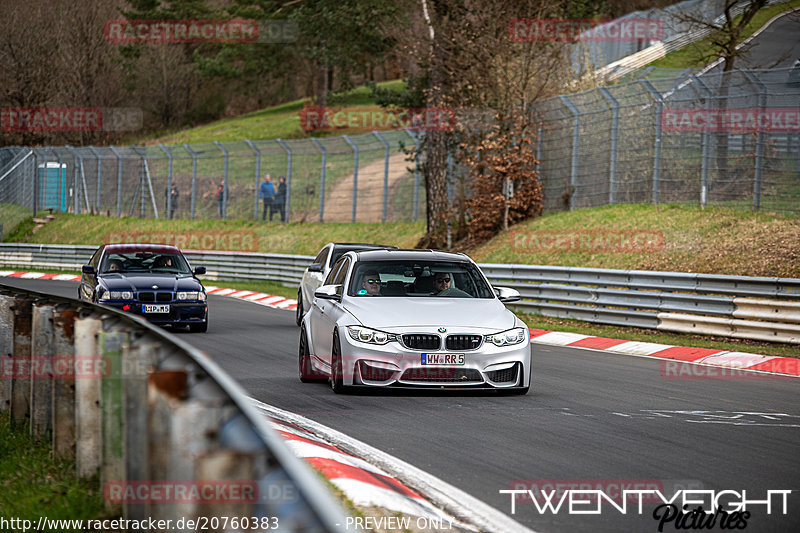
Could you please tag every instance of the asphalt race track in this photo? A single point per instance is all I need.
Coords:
(595, 417)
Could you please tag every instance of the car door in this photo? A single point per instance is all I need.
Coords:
(89, 281)
(320, 323)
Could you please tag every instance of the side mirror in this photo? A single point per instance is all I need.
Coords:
(315, 267)
(87, 269)
(505, 295)
(199, 271)
(328, 292)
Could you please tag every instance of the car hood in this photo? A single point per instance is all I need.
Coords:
(146, 280)
(478, 313)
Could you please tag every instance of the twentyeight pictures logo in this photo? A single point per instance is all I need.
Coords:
(200, 31)
(585, 30)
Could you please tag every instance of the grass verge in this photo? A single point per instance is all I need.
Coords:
(34, 485)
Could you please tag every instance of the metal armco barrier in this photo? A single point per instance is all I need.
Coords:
(756, 308)
(157, 418)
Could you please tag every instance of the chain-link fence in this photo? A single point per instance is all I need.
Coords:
(365, 178)
(730, 139)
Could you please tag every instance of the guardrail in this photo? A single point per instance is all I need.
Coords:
(758, 308)
(172, 435)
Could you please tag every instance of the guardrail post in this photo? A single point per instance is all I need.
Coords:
(41, 386)
(355, 174)
(119, 180)
(287, 205)
(168, 192)
(110, 344)
(99, 158)
(576, 135)
(612, 163)
(6, 348)
(657, 145)
(88, 415)
(63, 410)
(194, 175)
(137, 358)
(759, 163)
(225, 179)
(21, 352)
(324, 154)
(255, 149)
(706, 143)
(385, 174)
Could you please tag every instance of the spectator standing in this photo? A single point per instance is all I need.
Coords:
(279, 202)
(172, 200)
(221, 197)
(267, 194)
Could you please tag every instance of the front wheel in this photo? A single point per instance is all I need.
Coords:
(307, 372)
(199, 328)
(337, 382)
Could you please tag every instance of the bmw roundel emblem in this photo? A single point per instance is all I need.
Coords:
(442, 330)
(155, 286)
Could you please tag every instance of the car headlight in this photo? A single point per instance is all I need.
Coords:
(507, 338)
(115, 295)
(191, 295)
(370, 336)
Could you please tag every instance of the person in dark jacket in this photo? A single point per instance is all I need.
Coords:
(279, 201)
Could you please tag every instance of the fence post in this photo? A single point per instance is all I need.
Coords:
(258, 176)
(64, 387)
(286, 204)
(110, 343)
(706, 143)
(194, 175)
(76, 205)
(41, 387)
(657, 146)
(576, 125)
(6, 348)
(385, 173)
(759, 163)
(99, 177)
(225, 179)
(88, 415)
(168, 191)
(35, 183)
(415, 138)
(324, 153)
(355, 173)
(21, 351)
(119, 180)
(612, 163)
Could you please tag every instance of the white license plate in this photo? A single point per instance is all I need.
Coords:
(155, 308)
(449, 359)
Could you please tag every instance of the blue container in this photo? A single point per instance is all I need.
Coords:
(53, 186)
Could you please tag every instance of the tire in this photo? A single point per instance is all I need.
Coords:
(306, 371)
(298, 314)
(199, 328)
(337, 382)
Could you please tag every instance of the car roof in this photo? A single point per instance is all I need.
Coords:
(351, 246)
(127, 248)
(409, 255)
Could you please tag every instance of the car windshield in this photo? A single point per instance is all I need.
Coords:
(418, 279)
(168, 263)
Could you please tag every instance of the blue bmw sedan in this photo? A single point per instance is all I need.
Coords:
(151, 280)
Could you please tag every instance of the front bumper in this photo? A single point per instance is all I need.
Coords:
(394, 365)
(180, 314)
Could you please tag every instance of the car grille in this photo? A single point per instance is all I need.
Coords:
(442, 374)
(422, 342)
(374, 374)
(507, 375)
(148, 296)
(463, 342)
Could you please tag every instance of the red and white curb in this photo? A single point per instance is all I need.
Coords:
(267, 300)
(785, 366)
(371, 478)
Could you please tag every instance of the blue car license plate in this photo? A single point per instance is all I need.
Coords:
(438, 359)
(148, 308)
